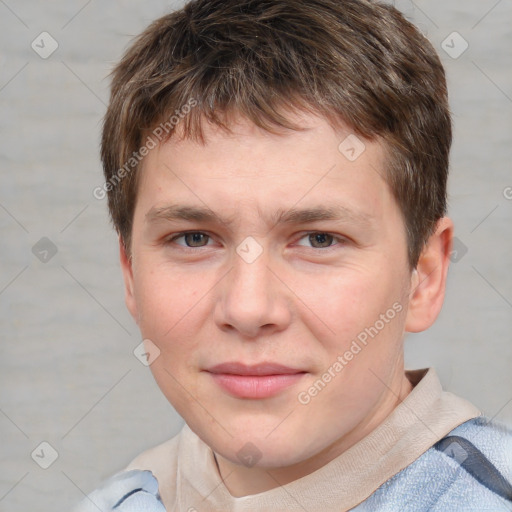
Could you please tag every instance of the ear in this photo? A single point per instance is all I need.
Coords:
(126, 267)
(428, 281)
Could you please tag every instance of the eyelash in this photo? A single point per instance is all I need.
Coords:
(339, 239)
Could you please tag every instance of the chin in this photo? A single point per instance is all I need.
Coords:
(254, 447)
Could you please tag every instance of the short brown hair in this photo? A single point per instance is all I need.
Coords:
(354, 61)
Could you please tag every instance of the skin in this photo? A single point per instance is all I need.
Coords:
(301, 303)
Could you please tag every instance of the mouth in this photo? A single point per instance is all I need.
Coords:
(259, 381)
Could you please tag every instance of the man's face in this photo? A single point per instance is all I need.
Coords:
(263, 281)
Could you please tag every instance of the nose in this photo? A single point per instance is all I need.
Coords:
(253, 300)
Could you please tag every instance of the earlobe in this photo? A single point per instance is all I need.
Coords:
(428, 281)
(126, 267)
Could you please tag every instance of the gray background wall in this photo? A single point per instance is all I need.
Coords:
(68, 374)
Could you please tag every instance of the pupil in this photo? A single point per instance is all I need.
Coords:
(322, 238)
(195, 238)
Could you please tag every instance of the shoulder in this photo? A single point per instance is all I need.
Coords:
(140, 485)
(128, 491)
(469, 469)
(480, 439)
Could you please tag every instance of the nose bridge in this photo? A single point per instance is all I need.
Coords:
(251, 279)
(251, 298)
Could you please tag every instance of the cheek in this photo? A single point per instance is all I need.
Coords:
(171, 315)
(365, 313)
(349, 302)
(168, 303)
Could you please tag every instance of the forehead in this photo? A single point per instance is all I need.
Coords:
(285, 176)
(315, 138)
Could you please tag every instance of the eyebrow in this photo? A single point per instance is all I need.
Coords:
(292, 216)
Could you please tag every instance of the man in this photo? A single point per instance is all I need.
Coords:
(276, 171)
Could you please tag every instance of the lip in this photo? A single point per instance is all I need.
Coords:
(254, 381)
(265, 368)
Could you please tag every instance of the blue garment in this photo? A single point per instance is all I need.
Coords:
(469, 470)
(129, 491)
(465, 471)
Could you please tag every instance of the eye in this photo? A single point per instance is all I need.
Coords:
(320, 240)
(192, 239)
